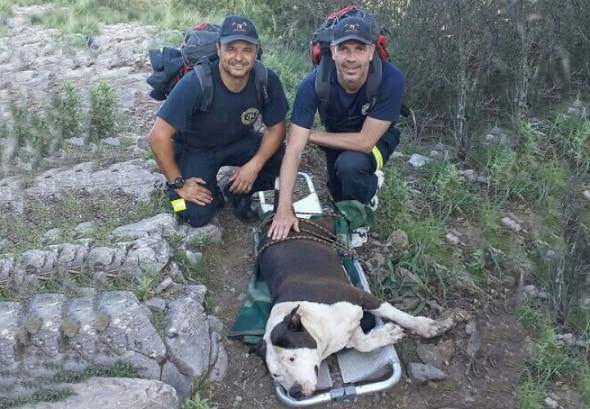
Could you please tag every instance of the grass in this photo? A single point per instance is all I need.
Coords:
(531, 174)
(527, 172)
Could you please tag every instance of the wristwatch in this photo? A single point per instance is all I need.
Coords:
(176, 184)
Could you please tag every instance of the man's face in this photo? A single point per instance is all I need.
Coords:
(236, 58)
(352, 60)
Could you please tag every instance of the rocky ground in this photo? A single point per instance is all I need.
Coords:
(481, 358)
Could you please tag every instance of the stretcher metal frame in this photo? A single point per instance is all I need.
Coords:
(361, 372)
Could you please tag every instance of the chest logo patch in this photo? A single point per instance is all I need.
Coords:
(249, 116)
(365, 109)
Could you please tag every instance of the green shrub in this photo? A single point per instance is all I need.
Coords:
(103, 113)
(394, 203)
(67, 110)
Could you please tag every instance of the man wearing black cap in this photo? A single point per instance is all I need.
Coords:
(359, 137)
(191, 145)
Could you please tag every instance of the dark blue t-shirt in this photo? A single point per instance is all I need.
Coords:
(347, 112)
(231, 115)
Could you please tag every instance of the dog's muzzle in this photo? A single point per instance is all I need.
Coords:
(296, 391)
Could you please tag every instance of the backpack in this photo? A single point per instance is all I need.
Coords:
(321, 57)
(197, 51)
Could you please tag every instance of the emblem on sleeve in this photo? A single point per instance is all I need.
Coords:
(249, 116)
(365, 109)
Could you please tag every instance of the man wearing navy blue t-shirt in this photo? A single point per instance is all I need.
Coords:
(359, 136)
(190, 145)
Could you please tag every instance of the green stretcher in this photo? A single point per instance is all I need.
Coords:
(348, 373)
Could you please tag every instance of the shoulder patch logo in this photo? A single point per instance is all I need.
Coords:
(365, 109)
(249, 116)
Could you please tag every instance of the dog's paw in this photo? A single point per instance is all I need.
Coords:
(392, 332)
(428, 328)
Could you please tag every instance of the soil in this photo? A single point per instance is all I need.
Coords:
(487, 379)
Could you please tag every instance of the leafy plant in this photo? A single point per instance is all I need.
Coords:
(20, 126)
(394, 203)
(196, 402)
(67, 115)
(103, 113)
(446, 190)
(144, 287)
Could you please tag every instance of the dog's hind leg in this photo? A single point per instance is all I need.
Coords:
(422, 326)
(389, 333)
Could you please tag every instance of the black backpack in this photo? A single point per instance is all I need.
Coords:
(197, 51)
(321, 57)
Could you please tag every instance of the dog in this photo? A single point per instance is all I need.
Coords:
(317, 312)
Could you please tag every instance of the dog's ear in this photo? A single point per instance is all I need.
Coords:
(290, 333)
(294, 320)
(260, 350)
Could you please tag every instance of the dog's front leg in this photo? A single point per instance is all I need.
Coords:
(422, 326)
(386, 334)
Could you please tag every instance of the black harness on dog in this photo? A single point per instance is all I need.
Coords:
(309, 230)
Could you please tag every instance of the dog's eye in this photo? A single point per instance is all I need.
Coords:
(292, 359)
(317, 370)
(275, 375)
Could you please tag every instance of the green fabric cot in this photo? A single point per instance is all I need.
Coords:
(250, 322)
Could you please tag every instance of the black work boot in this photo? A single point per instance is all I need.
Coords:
(242, 204)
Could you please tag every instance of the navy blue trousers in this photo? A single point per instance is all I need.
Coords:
(351, 175)
(205, 164)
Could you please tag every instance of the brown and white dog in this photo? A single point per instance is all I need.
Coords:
(317, 312)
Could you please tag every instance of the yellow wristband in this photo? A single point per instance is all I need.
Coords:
(178, 205)
(378, 157)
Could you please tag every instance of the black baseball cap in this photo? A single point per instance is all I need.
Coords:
(236, 28)
(352, 28)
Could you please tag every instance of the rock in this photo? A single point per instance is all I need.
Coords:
(115, 393)
(84, 229)
(452, 239)
(550, 403)
(187, 337)
(474, 342)
(468, 174)
(511, 224)
(429, 354)
(418, 161)
(398, 243)
(446, 350)
(164, 225)
(422, 373)
(163, 285)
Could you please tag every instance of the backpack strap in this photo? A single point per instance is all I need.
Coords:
(261, 81)
(374, 79)
(203, 71)
(322, 84)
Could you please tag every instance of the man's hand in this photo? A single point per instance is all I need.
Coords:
(281, 225)
(194, 191)
(243, 179)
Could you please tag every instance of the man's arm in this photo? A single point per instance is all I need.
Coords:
(363, 141)
(243, 179)
(160, 141)
(284, 218)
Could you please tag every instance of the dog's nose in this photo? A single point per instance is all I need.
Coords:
(295, 391)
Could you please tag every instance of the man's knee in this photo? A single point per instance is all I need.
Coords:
(195, 215)
(350, 163)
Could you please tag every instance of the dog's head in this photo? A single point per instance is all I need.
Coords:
(291, 355)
